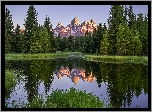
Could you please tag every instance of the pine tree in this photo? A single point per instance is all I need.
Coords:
(115, 19)
(124, 43)
(137, 45)
(104, 28)
(17, 40)
(8, 31)
(126, 14)
(46, 43)
(73, 43)
(87, 40)
(49, 26)
(31, 23)
(87, 43)
(77, 43)
(90, 44)
(57, 42)
(94, 36)
(132, 20)
(39, 44)
(35, 39)
(84, 44)
(70, 43)
(141, 30)
(104, 45)
(63, 44)
(81, 42)
(98, 38)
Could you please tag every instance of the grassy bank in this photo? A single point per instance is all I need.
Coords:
(115, 59)
(40, 56)
(66, 99)
(10, 80)
(88, 57)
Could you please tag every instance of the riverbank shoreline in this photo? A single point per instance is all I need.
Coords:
(87, 57)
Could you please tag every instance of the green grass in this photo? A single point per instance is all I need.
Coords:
(40, 56)
(10, 80)
(66, 99)
(117, 59)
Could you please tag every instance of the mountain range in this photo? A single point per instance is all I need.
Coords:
(74, 29)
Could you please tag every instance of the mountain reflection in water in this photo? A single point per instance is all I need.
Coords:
(75, 75)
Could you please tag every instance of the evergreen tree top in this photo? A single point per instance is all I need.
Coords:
(31, 20)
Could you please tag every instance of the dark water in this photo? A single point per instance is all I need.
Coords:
(122, 85)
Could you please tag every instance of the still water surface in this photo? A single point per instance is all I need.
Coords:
(122, 85)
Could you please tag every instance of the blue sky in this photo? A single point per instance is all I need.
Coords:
(65, 13)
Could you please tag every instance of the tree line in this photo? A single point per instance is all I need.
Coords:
(126, 34)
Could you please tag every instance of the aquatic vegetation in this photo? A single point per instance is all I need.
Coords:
(74, 99)
(10, 80)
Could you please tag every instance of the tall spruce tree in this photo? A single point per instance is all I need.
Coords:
(84, 40)
(17, 40)
(132, 20)
(84, 44)
(104, 28)
(70, 43)
(57, 42)
(124, 40)
(49, 26)
(133, 26)
(90, 44)
(31, 23)
(94, 34)
(137, 45)
(77, 43)
(98, 38)
(40, 41)
(115, 19)
(46, 43)
(140, 28)
(104, 44)
(9, 28)
(35, 39)
(87, 40)
(126, 14)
